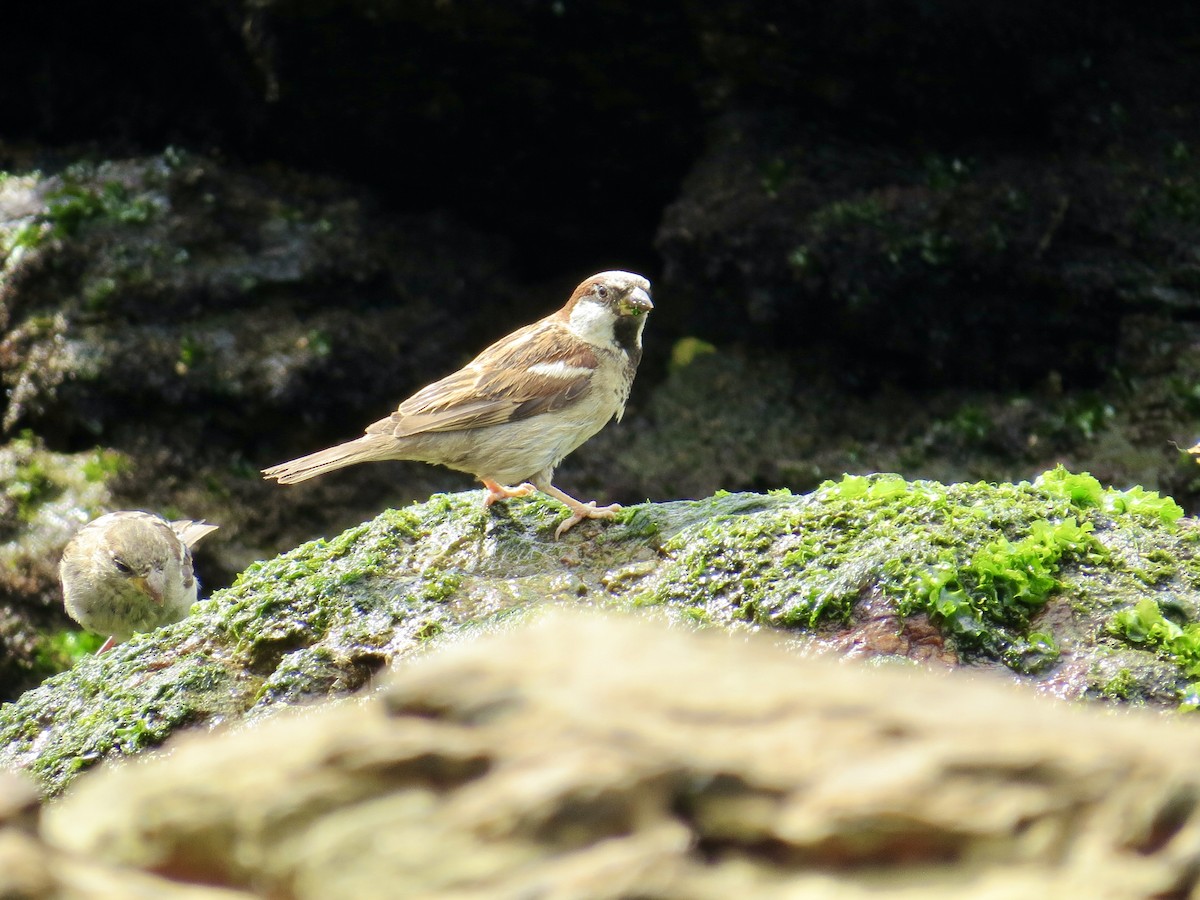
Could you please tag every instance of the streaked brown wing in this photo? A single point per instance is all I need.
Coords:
(499, 386)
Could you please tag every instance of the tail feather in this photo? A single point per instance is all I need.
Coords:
(191, 531)
(368, 448)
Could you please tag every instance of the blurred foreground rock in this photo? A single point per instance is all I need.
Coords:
(30, 869)
(593, 757)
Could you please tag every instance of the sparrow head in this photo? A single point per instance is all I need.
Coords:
(139, 553)
(610, 308)
(625, 293)
(122, 553)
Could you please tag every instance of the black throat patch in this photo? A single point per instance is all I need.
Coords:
(626, 332)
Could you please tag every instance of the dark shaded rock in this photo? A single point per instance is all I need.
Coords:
(923, 267)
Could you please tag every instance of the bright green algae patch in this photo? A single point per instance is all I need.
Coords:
(978, 557)
(985, 563)
(981, 560)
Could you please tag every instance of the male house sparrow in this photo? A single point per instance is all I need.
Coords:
(130, 571)
(512, 414)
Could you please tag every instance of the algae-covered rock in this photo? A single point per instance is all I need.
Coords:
(1060, 581)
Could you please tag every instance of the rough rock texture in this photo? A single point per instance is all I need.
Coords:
(600, 758)
(1077, 590)
(31, 869)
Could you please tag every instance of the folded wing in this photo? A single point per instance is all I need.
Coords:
(525, 375)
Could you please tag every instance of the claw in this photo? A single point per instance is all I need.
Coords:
(583, 511)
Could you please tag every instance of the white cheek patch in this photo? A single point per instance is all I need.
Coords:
(592, 321)
(558, 369)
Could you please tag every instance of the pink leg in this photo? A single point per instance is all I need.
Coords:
(579, 509)
(107, 645)
(496, 491)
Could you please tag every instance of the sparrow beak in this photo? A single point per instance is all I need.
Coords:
(636, 304)
(151, 585)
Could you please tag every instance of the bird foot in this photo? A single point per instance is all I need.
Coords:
(107, 645)
(496, 491)
(583, 511)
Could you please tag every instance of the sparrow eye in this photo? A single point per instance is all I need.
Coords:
(121, 566)
(602, 292)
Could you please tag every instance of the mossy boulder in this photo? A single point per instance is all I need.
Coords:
(1052, 582)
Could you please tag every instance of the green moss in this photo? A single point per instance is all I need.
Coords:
(971, 424)
(1085, 492)
(986, 600)
(1121, 686)
(979, 559)
(802, 259)
(81, 196)
(875, 221)
(319, 342)
(103, 464)
(1146, 624)
(429, 630)
(1038, 652)
(191, 352)
(61, 649)
(1190, 698)
(441, 586)
(80, 200)
(1158, 566)
(97, 291)
(26, 237)
(866, 210)
(931, 246)
(31, 486)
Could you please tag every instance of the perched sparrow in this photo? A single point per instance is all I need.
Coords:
(517, 409)
(130, 571)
